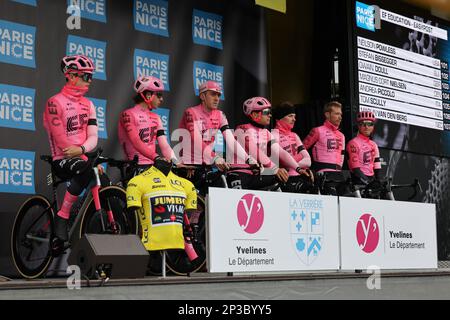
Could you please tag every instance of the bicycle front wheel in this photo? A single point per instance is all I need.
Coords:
(31, 237)
(177, 260)
(111, 198)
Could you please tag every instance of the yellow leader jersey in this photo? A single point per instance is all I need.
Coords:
(163, 200)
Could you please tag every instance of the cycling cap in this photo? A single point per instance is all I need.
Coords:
(210, 86)
(282, 110)
(255, 104)
(365, 116)
(77, 63)
(148, 83)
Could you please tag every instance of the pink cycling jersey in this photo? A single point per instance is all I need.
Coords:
(258, 142)
(363, 154)
(70, 120)
(139, 129)
(291, 142)
(203, 125)
(328, 147)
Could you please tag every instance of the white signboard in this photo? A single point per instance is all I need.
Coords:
(271, 231)
(387, 234)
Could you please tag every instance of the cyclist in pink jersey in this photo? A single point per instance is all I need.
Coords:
(285, 115)
(140, 128)
(71, 124)
(363, 153)
(203, 122)
(259, 143)
(327, 141)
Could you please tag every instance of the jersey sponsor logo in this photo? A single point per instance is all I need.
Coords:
(367, 157)
(17, 44)
(365, 16)
(27, 2)
(148, 63)
(75, 123)
(94, 49)
(333, 144)
(144, 134)
(126, 117)
(17, 107)
(307, 228)
(100, 110)
(207, 29)
(176, 184)
(203, 72)
(168, 208)
(52, 108)
(151, 16)
(91, 9)
(353, 149)
(156, 180)
(16, 171)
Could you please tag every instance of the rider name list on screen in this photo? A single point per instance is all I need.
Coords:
(402, 82)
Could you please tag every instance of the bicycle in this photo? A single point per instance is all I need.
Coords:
(102, 210)
(384, 189)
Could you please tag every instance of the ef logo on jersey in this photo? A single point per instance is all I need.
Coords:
(333, 144)
(367, 156)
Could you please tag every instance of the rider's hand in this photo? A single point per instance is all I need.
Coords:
(305, 172)
(180, 165)
(190, 173)
(72, 151)
(255, 167)
(221, 164)
(101, 170)
(282, 175)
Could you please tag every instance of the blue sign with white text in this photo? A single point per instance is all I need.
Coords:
(164, 114)
(16, 171)
(100, 110)
(207, 29)
(203, 72)
(17, 107)
(148, 63)
(365, 16)
(151, 16)
(17, 44)
(94, 49)
(91, 9)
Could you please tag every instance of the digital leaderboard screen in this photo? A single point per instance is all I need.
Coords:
(401, 73)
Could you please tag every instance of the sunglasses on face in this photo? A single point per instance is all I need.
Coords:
(266, 112)
(159, 94)
(366, 124)
(85, 76)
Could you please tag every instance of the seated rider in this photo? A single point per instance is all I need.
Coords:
(71, 123)
(363, 154)
(201, 124)
(140, 128)
(285, 116)
(328, 150)
(260, 144)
